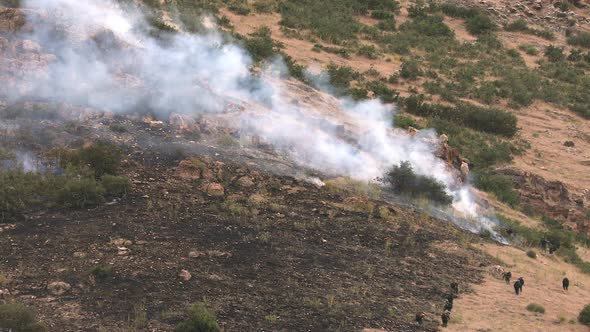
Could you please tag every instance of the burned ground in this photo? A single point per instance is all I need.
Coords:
(274, 253)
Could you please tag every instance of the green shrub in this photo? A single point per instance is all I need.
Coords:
(115, 186)
(331, 20)
(500, 185)
(118, 128)
(199, 320)
(584, 316)
(387, 25)
(382, 15)
(529, 49)
(429, 25)
(453, 10)
(261, 46)
(368, 51)
(410, 70)
(101, 272)
(341, 76)
(80, 193)
(488, 120)
(239, 8)
(554, 53)
(532, 254)
(381, 90)
(518, 25)
(101, 157)
(534, 307)
(264, 6)
(19, 190)
(402, 121)
(580, 39)
(480, 24)
(402, 180)
(18, 318)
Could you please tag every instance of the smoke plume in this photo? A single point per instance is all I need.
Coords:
(107, 58)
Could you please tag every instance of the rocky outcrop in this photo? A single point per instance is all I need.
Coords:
(551, 198)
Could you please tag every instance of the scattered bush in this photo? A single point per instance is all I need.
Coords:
(402, 180)
(368, 51)
(115, 186)
(480, 24)
(199, 320)
(534, 307)
(428, 25)
(488, 120)
(521, 25)
(118, 128)
(101, 272)
(410, 70)
(529, 49)
(453, 10)
(382, 15)
(264, 6)
(261, 46)
(402, 121)
(81, 193)
(584, 316)
(17, 317)
(239, 8)
(580, 39)
(554, 53)
(518, 25)
(500, 185)
(531, 254)
(331, 20)
(569, 144)
(341, 76)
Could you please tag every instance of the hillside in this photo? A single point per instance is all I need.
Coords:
(278, 165)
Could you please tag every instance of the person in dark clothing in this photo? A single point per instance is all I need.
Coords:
(448, 305)
(544, 245)
(446, 316)
(517, 287)
(507, 276)
(566, 283)
(521, 279)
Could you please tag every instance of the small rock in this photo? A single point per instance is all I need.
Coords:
(58, 287)
(213, 189)
(245, 182)
(121, 242)
(195, 254)
(185, 275)
(122, 251)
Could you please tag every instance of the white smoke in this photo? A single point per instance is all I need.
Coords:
(192, 74)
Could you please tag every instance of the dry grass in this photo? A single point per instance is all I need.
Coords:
(494, 306)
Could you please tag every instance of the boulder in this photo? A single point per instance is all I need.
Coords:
(189, 169)
(185, 275)
(213, 189)
(246, 182)
(58, 287)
